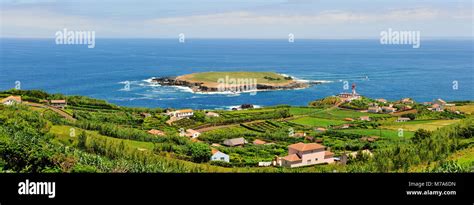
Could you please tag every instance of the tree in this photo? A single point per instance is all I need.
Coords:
(199, 116)
(420, 135)
(82, 140)
(199, 152)
(412, 116)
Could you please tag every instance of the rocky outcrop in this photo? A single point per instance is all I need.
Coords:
(200, 87)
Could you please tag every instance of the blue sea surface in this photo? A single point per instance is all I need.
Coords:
(379, 71)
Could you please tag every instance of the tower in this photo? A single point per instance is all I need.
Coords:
(353, 90)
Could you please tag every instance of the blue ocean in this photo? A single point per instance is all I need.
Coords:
(438, 69)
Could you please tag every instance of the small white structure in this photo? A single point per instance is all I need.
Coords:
(403, 119)
(212, 114)
(364, 118)
(219, 156)
(192, 133)
(11, 100)
(375, 109)
(389, 109)
(181, 113)
(264, 164)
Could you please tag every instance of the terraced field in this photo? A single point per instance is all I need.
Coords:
(320, 122)
(380, 132)
(420, 124)
(341, 114)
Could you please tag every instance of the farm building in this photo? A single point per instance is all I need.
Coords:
(235, 142)
(61, 104)
(11, 100)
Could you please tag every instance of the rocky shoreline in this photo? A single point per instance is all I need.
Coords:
(202, 87)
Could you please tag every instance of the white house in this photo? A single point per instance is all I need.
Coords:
(219, 156)
(375, 109)
(181, 113)
(192, 133)
(301, 154)
(11, 100)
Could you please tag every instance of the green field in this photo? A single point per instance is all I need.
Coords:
(62, 135)
(420, 124)
(311, 121)
(213, 77)
(464, 157)
(303, 110)
(341, 114)
(469, 109)
(381, 133)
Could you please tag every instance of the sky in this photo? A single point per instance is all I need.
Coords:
(267, 19)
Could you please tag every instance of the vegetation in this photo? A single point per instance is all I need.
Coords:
(108, 138)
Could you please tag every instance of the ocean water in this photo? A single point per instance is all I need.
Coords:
(379, 71)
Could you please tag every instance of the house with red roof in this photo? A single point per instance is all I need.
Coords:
(11, 100)
(306, 154)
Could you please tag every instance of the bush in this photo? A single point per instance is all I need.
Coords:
(199, 152)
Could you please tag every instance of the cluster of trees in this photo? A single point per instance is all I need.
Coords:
(251, 116)
(117, 131)
(425, 147)
(325, 102)
(123, 118)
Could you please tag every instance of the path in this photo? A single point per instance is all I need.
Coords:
(60, 112)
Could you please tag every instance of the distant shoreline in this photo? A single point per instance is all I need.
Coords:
(233, 82)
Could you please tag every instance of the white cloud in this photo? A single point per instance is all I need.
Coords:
(325, 17)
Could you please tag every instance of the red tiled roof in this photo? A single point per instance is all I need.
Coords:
(58, 101)
(259, 142)
(328, 154)
(214, 151)
(11, 97)
(306, 147)
(292, 158)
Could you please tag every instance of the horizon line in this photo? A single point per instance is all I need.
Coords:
(240, 38)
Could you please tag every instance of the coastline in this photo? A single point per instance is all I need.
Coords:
(187, 83)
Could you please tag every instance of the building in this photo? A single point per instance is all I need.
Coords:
(235, 142)
(219, 156)
(389, 109)
(364, 118)
(179, 114)
(381, 100)
(348, 97)
(11, 100)
(437, 107)
(407, 100)
(259, 142)
(439, 102)
(299, 134)
(192, 133)
(212, 114)
(156, 132)
(403, 119)
(61, 104)
(375, 109)
(301, 154)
